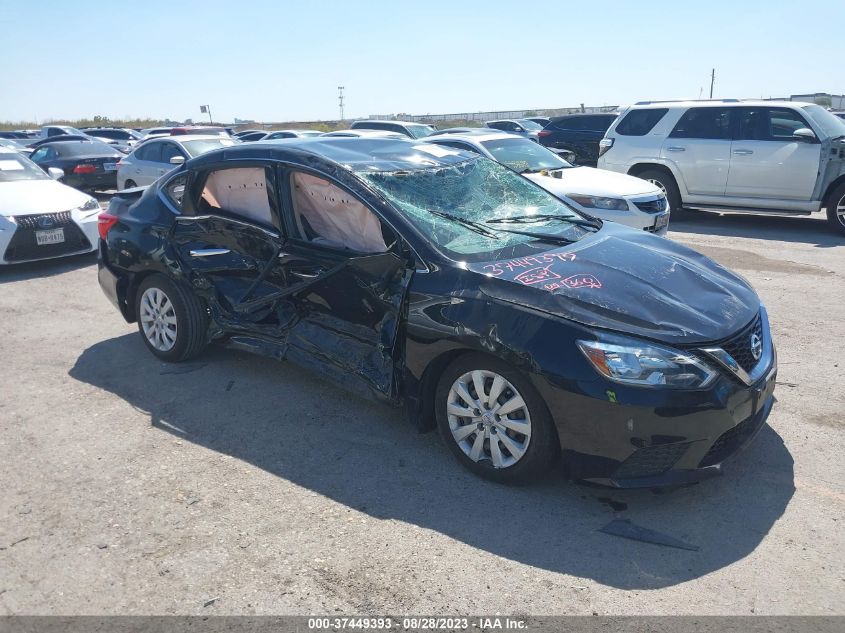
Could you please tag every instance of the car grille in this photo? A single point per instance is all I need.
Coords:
(739, 346)
(23, 246)
(728, 442)
(651, 206)
(651, 460)
(50, 220)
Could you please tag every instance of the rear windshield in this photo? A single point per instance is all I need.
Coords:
(419, 131)
(195, 148)
(523, 155)
(84, 148)
(530, 125)
(640, 122)
(17, 167)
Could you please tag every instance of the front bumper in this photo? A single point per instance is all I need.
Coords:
(636, 439)
(18, 243)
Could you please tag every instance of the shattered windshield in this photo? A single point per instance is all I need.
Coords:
(481, 196)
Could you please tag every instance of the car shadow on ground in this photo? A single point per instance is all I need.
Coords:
(46, 267)
(366, 456)
(813, 229)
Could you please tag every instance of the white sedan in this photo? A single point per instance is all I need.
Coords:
(151, 159)
(607, 195)
(39, 217)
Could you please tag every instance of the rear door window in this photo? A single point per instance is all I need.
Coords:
(572, 123)
(149, 152)
(704, 123)
(244, 192)
(640, 122)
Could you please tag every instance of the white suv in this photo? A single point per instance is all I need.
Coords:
(751, 156)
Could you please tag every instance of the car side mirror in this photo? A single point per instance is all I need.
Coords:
(177, 160)
(804, 135)
(55, 173)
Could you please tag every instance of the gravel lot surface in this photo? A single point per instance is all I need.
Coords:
(234, 484)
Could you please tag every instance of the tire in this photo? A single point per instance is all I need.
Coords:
(183, 323)
(836, 209)
(129, 184)
(666, 182)
(524, 452)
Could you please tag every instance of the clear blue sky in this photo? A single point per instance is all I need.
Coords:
(282, 60)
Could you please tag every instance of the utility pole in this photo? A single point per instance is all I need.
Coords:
(712, 80)
(340, 100)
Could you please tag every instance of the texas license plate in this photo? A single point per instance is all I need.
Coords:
(661, 221)
(110, 166)
(53, 236)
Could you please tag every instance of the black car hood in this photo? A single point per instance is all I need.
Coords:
(631, 282)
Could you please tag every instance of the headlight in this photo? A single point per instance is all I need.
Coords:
(647, 365)
(597, 202)
(90, 207)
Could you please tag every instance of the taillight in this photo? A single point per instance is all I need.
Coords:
(604, 145)
(84, 169)
(543, 133)
(104, 223)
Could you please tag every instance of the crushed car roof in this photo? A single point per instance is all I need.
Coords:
(357, 154)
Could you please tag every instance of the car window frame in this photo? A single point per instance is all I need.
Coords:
(196, 183)
(731, 128)
(285, 172)
(767, 109)
(146, 147)
(178, 148)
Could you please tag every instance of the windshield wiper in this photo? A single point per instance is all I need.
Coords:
(531, 219)
(545, 237)
(472, 226)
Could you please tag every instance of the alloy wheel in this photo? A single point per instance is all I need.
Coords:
(840, 210)
(488, 418)
(158, 319)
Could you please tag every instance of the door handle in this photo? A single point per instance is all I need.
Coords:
(208, 252)
(303, 275)
(743, 152)
(676, 149)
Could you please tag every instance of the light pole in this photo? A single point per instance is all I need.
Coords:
(340, 100)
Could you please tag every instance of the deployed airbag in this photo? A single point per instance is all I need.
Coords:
(335, 216)
(242, 190)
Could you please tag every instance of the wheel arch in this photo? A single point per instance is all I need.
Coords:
(427, 386)
(641, 166)
(831, 188)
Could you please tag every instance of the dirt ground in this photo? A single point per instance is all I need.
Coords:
(238, 485)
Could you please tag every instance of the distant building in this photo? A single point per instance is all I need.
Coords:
(837, 102)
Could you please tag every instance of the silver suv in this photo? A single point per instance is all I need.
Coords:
(747, 156)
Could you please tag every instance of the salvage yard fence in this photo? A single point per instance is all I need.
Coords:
(494, 114)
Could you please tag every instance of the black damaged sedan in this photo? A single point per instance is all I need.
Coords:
(444, 283)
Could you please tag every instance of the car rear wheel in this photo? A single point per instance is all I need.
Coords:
(171, 319)
(129, 184)
(836, 209)
(494, 421)
(664, 181)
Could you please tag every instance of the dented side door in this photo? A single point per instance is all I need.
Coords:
(349, 313)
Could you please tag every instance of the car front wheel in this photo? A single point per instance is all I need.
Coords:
(171, 319)
(836, 209)
(494, 421)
